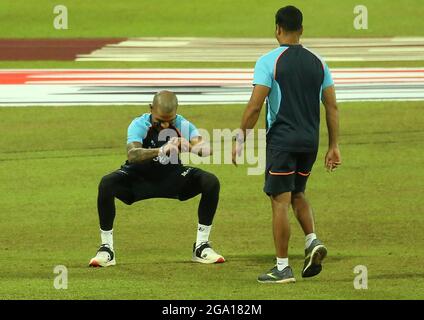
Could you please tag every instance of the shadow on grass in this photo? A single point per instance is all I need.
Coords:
(248, 260)
(252, 259)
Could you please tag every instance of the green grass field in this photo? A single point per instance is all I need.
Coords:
(217, 18)
(369, 212)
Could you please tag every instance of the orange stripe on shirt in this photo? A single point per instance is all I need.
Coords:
(304, 174)
(280, 173)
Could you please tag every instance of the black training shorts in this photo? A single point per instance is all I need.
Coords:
(287, 171)
(176, 185)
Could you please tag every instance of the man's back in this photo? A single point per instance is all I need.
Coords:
(292, 80)
(297, 77)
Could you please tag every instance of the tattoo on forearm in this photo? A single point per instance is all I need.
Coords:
(140, 154)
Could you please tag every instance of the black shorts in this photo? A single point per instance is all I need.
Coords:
(287, 171)
(176, 185)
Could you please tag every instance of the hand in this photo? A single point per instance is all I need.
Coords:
(237, 148)
(333, 159)
(201, 149)
(169, 148)
(181, 143)
(184, 145)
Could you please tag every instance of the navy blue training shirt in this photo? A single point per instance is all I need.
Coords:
(296, 77)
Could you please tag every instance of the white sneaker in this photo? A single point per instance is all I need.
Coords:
(205, 254)
(105, 257)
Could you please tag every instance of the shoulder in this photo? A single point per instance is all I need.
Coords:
(182, 123)
(314, 54)
(180, 119)
(269, 58)
(142, 121)
(187, 129)
(273, 53)
(141, 124)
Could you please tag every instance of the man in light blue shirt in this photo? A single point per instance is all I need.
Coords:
(293, 80)
(154, 170)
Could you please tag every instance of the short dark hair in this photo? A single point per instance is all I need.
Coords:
(289, 18)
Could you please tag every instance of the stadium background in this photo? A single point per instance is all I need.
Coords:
(51, 158)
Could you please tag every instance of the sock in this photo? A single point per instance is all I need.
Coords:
(309, 238)
(282, 263)
(202, 233)
(107, 237)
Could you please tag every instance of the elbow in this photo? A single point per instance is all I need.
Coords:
(255, 108)
(332, 108)
(204, 152)
(208, 152)
(131, 156)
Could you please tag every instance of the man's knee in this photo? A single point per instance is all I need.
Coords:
(210, 183)
(297, 195)
(281, 198)
(107, 183)
(297, 198)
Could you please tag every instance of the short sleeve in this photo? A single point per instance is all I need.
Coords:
(137, 131)
(328, 79)
(262, 75)
(188, 130)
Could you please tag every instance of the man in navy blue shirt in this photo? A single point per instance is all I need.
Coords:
(293, 80)
(154, 170)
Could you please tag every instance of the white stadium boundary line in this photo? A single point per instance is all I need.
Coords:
(249, 49)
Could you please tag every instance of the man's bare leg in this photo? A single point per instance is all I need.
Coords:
(281, 273)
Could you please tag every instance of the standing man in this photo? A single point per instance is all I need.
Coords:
(154, 170)
(293, 80)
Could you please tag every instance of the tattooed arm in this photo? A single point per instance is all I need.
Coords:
(136, 152)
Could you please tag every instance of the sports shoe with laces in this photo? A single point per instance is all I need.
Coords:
(105, 257)
(204, 253)
(314, 254)
(276, 276)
